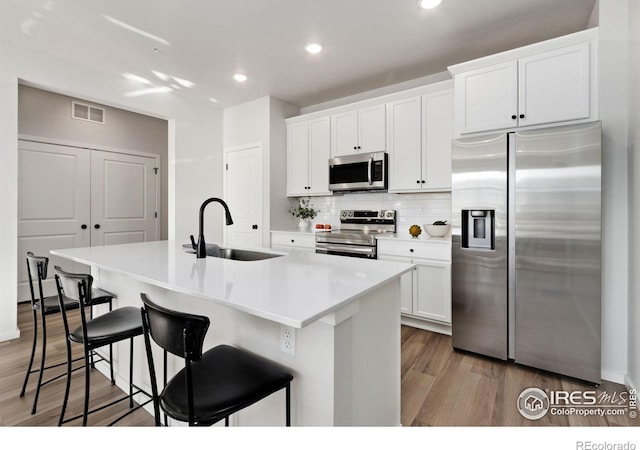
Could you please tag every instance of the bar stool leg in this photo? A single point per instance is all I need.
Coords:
(288, 395)
(42, 359)
(87, 385)
(131, 374)
(33, 352)
(113, 380)
(68, 384)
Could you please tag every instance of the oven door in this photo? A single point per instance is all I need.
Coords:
(357, 251)
(361, 172)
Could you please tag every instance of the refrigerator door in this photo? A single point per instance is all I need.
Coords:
(479, 245)
(557, 239)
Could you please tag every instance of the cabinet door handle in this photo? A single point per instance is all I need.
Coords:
(254, 227)
(97, 226)
(514, 117)
(411, 250)
(417, 181)
(522, 116)
(423, 182)
(83, 226)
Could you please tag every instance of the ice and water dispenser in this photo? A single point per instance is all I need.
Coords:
(478, 229)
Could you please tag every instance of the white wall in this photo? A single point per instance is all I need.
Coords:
(613, 103)
(633, 376)
(262, 121)
(195, 149)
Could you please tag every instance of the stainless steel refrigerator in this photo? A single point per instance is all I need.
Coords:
(526, 220)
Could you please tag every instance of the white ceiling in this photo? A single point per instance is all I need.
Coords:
(367, 43)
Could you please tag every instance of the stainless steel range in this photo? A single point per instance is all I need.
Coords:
(357, 234)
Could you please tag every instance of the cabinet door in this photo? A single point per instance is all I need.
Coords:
(487, 99)
(319, 154)
(344, 133)
(297, 158)
(406, 285)
(405, 144)
(555, 86)
(433, 290)
(372, 129)
(437, 113)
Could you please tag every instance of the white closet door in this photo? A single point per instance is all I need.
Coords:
(53, 206)
(123, 199)
(243, 195)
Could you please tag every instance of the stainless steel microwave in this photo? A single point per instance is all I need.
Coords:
(361, 172)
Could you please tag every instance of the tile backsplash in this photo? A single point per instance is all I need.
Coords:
(422, 208)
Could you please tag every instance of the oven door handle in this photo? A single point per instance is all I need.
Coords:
(362, 250)
(370, 171)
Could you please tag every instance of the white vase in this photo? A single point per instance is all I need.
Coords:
(303, 224)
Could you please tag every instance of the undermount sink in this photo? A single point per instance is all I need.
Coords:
(233, 253)
(243, 255)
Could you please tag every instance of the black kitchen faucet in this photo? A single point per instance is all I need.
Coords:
(201, 246)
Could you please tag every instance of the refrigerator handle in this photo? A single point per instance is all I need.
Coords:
(511, 245)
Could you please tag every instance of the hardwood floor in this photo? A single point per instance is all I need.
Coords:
(444, 387)
(440, 387)
(14, 358)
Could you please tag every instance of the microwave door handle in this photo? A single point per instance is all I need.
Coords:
(370, 171)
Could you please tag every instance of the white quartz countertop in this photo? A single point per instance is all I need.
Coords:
(294, 289)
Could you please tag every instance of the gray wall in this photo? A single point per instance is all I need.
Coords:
(48, 115)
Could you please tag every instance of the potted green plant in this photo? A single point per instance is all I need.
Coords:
(304, 211)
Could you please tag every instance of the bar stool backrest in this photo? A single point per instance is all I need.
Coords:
(36, 270)
(76, 286)
(178, 333)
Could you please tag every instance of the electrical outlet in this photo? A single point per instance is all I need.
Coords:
(288, 340)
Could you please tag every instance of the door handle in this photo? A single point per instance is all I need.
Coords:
(370, 170)
(83, 226)
(97, 226)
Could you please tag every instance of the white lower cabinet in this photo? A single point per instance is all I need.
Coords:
(426, 290)
(290, 241)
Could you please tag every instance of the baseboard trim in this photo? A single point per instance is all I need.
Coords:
(10, 335)
(426, 325)
(613, 376)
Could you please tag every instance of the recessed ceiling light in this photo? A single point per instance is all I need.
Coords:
(429, 4)
(240, 77)
(313, 48)
(213, 100)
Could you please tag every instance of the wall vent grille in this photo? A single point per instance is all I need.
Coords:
(89, 113)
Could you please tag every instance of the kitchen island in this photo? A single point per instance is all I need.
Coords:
(344, 315)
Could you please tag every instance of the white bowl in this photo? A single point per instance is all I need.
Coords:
(436, 230)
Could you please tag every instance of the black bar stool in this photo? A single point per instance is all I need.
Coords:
(213, 385)
(46, 306)
(93, 333)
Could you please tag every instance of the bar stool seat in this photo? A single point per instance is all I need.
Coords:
(226, 380)
(123, 323)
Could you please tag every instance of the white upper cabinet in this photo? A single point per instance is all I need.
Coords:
(550, 82)
(405, 144)
(555, 86)
(420, 130)
(308, 152)
(360, 130)
(487, 98)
